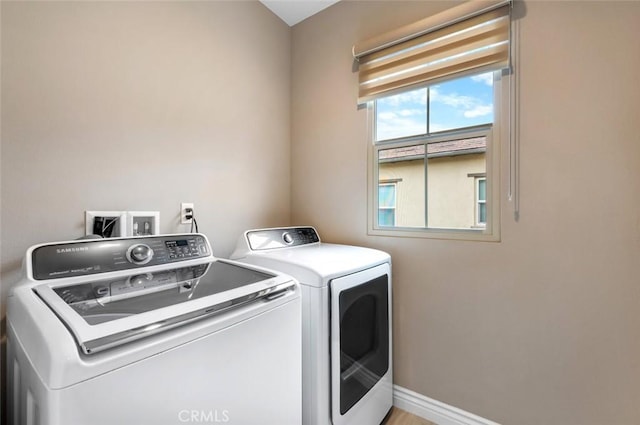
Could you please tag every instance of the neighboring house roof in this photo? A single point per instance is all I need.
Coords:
(434, 150)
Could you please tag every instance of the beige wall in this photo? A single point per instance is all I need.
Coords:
(139, 106)
(543, 327)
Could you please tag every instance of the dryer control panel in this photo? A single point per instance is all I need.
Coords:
(55, 261)
(284, 237)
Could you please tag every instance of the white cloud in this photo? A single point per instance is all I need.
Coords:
(471, 107)
(484, 78)
(400, 122)
(386, 116)
(400, 127)
(479, 111)
(414, 96)
(455, 100)
(434, 127)
(404, 114)
(411, 112)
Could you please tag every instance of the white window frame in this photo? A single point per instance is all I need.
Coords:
(494, 133)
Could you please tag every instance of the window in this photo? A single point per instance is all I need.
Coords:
(481, 201)
(461, 103)
(387, 204)
(439, 142)
(433, 89)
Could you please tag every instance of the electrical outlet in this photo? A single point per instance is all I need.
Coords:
(184, 206)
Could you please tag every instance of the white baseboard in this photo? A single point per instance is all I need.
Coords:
(434, 410)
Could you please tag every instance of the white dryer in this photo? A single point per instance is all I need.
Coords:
(149, 331)
(346, 321)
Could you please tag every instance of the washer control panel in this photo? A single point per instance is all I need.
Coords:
(283, 237)
(55, 261)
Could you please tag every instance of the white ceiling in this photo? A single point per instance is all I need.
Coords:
(294, 11)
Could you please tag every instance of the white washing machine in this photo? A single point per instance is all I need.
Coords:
(151, 331)
(346, 322)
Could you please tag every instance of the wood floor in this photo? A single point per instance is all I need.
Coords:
(400, 417)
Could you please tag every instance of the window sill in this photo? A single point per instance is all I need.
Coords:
(476, 235)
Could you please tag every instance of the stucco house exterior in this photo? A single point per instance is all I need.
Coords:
(455, 185)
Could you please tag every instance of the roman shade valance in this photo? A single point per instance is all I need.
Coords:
(473, 36)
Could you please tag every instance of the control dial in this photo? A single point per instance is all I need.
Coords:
(140, 279)
(288, 239)
(139, 254)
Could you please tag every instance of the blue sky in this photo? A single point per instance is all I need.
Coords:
(453, 104)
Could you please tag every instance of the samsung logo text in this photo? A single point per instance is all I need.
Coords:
(74, 249)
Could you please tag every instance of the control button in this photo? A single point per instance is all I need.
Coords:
(288, 239)
(140, 279)
(139, 254)
(101, 291)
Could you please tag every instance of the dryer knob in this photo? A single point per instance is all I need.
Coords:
(140, 254)
(287, 238)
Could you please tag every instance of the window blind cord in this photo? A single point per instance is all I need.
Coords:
(514, 96)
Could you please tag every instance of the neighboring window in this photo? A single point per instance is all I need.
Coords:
(387, 204)
(481, 201)
(433, 139)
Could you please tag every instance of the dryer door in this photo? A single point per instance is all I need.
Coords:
(361, 346)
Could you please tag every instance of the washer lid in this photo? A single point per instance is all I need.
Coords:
(109, 312)
(317, 264)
